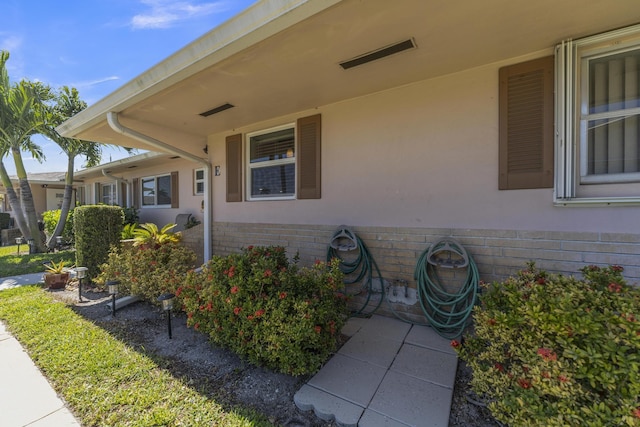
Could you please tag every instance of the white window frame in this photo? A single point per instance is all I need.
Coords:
(278, 162)
(155, 196)
(572, 117)
(197, 181)
(113, 193)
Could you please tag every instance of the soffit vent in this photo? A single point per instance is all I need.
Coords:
(379, 54)
(217, 110)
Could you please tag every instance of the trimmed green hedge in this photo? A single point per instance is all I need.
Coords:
(96, 229)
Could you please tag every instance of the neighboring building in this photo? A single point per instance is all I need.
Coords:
(47, 189)
(408, 120)
(160, 186)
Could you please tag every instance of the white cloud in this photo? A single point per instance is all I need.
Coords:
(10, 43)
(166, 13)
(84, 84)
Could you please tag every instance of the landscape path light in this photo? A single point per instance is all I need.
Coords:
(59, 242)
(167, 305)
(81, 273)
(112, 285)
(31, 244)
(19, 241)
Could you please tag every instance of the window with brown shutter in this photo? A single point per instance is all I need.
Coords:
(309, 138)
(135, 188)
(234, 168)
(175, 191)
(526, 125)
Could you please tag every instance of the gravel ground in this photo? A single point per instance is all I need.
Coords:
(221, 374)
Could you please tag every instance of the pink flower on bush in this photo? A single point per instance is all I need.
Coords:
(499, 367)
(196, 326)
(524, 383)
(267, 273)
(636, 412)
(259, 313)
(250, 317)
(283, 295)
(234, 290)
(547, 354)
(455, 344)
(614, 287)
(563, 379)
(237, 310)
(318, 329)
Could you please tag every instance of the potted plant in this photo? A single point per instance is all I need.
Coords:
(56, 275)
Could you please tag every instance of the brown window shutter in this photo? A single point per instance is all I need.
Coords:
(97, 193)
(135, 188)
(234, 168)
(308, 167)
(123, 194)
(175, 190)
(526, 125)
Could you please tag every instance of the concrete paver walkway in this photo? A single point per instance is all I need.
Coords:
(389, 373)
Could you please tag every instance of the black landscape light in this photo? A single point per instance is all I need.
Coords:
(112, 285)
(19, 241)
(81, 272)
(167, 305)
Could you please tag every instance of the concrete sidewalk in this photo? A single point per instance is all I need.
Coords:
(25, 279)
(389, 373)
(26, 397)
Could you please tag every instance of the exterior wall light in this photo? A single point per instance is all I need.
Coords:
(112, 285)
(167, 305)
(81, 273)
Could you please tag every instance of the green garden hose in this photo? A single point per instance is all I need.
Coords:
(357, 270)
(446, 312)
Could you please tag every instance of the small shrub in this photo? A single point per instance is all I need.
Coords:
(270, 311)
(128, 231)
(147, 272)
(130, 215)
(96, 229)
(552, 350)
(50, 220)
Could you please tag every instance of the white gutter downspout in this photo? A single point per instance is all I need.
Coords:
(112, 119)
(118, 180)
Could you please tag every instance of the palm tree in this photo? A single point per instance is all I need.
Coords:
(20, 118)
(67, 104)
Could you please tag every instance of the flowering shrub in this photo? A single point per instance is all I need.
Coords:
(148, 272)
(554, 350)
(266, 309)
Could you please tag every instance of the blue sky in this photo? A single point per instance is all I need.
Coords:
(97, 46)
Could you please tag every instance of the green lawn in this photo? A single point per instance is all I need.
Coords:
(12, 264)
(105, 382)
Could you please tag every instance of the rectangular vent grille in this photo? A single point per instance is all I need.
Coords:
(378, 54)
(217, 110)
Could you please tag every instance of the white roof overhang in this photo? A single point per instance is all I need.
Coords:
(279, 57)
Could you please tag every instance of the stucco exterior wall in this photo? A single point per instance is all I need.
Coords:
(422, 160)
(423, 155)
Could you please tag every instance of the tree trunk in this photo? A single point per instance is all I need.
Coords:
(16, 207)
(28, 205)
(66, 204)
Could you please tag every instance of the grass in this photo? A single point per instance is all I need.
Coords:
(105, 382)
(12, 264)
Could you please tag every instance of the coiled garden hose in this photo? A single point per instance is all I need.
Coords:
(446, 312)
(356, 270)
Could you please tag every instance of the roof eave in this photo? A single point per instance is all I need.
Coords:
(257, 23)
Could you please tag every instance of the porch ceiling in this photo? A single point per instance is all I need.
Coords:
(296, 67)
